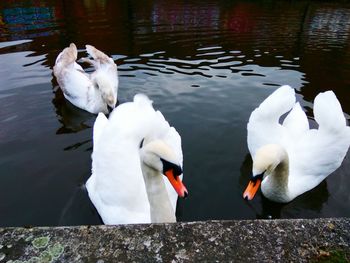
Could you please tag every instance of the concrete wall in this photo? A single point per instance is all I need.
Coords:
(212, 241)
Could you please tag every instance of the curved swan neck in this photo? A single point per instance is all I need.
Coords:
(275, 184)
(281, 172)
(161, 208)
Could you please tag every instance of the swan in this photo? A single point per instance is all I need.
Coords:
(289, 158)
(136, 165)
(95, 92)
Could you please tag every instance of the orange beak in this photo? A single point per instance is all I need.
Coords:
(176, 183)
(251, 189)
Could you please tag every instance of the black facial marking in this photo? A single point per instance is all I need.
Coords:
(141, 143)
(109, 108)
(168, 166)
(256, 177)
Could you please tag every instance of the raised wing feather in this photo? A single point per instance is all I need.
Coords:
(296, 123)
(98, 55)
(73, 81)
(67, 56)
(263, 126)
(328, 112)
(319, 152)
(103, 64)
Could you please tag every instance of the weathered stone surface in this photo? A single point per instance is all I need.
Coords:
(212, 241)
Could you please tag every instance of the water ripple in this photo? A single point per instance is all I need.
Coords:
(223, 64)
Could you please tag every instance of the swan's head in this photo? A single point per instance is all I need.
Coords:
(161, 157)
(266, 159)
(108, 92)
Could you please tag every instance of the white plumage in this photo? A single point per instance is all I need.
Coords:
(123, 187)
(93, 92)
(294, 158)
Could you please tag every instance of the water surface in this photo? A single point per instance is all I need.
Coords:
(205, 64)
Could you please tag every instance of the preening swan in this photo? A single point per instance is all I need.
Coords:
(95, 92)
(290, 159)
(136, 165)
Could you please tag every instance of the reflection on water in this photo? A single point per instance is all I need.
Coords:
(205, 64)
(72, 118)
(333, 25)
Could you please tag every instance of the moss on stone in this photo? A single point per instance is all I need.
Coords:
(55, 250)
(33, 260)
(45, 257)
(41, 242)
(337, 256)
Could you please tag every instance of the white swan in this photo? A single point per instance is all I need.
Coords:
(94, 92)
(291, 159)
(131, 152)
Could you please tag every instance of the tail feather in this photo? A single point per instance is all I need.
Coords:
(328, 112)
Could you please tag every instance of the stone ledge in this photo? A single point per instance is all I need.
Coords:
(213, 241)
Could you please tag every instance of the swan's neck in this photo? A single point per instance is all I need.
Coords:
(275, 184)
(161, 208)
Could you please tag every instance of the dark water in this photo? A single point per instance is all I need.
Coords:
(205, 64)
